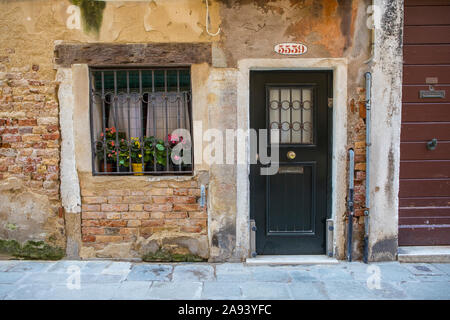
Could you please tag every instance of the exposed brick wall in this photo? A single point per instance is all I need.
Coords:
(124, 215)
(29, 129)
(357, 141)
(29, 149)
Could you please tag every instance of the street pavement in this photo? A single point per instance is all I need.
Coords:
(102, 279)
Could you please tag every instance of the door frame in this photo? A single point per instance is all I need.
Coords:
(338, 147)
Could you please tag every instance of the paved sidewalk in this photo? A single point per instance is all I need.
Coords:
(124, 280)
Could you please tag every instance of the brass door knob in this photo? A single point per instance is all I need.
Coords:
(291, 155)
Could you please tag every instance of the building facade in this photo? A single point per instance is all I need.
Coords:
(101, 100)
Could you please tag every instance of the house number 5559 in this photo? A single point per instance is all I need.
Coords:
(289, 48)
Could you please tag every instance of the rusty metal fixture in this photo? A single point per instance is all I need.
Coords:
(368, 145)
(350, 204)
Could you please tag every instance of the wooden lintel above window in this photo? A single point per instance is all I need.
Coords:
(153, 54)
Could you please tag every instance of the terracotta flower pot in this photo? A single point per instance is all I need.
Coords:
(137, 169)
(109, 167)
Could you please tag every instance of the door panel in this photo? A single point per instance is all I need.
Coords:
(417, 112)
(419, 151)
(415, 132)
(426, 34)
(424, 195)
(422, 15)
(293, 214)
(425, 169)
(290, 207)
(416, 74)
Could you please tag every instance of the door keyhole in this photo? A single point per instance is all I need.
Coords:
(291, 155)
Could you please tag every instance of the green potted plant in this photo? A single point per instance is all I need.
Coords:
(155, 151)
(107, 147)
(106, 153)
(148, 153)
(124, 157)
(136, 157)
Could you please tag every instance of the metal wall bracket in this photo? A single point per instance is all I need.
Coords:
(202, 196)
(252, 238)
(330, 230)
(330, 102)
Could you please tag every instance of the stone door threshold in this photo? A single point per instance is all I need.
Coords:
(290, 260)
(424, 254)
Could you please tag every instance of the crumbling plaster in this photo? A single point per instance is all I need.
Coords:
(26, 215)
(386, 125)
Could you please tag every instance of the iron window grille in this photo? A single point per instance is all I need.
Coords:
(135, 117)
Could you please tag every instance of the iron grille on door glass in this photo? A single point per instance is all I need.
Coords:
(141, 121)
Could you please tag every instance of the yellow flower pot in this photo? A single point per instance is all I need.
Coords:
(137, 169)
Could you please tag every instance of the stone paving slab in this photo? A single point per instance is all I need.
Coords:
(445, 267)
(6, 265)
(232, 272)
(150, 272)
(417, 290)
(5, 289)
(308, 291)
(193, 272)
(29, 292)
(10, 277)
(302, 276)
(65, 266)
(221, 290)
(86, 292)
(133, 290)
(126, 280)
(31, 266)
(270, 274)
(175, 290)
(259, 291)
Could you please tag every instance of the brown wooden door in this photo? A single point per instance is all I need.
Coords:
(424, 213)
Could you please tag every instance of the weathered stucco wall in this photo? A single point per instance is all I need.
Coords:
(386, 117)
(249, 30)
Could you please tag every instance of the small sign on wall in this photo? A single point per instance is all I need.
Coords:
(291, 48)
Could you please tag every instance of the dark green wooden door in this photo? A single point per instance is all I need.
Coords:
(290, 207)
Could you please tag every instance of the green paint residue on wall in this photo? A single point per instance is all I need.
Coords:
(91, 13)
(11, 226)
(32, 250)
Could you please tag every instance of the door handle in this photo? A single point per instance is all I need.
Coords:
(431, 145)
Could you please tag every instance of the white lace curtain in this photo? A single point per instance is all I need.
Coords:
(126, 115)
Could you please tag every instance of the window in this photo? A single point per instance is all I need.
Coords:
(291, 111)
(141, 121)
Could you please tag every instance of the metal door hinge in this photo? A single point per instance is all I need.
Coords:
(330, 102)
